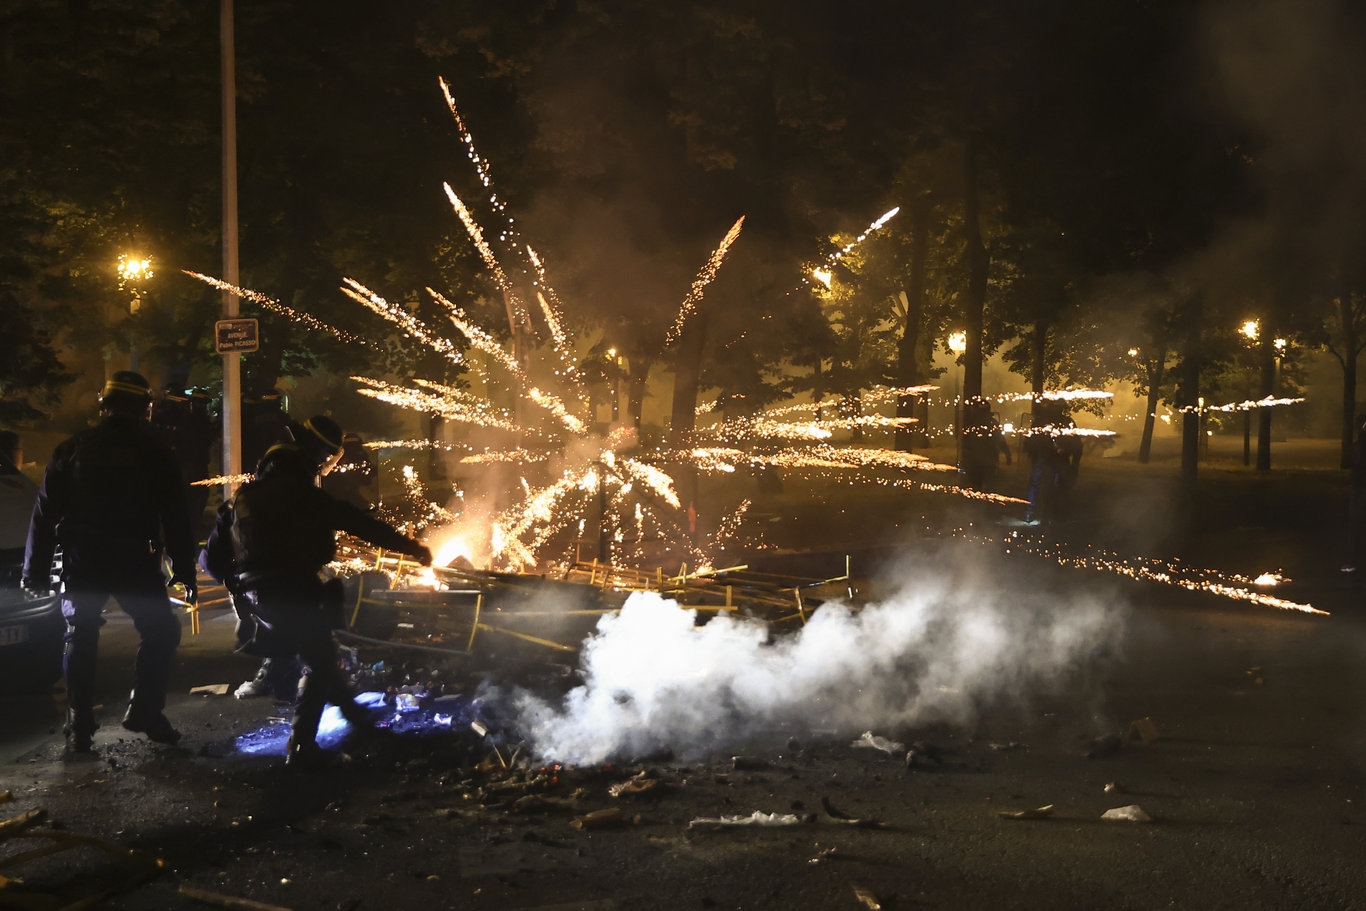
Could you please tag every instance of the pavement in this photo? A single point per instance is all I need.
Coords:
(1237, 728)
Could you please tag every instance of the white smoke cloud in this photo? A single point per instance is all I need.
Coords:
(932, 652)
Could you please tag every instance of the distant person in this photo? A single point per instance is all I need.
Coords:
(112, 498)
(269, 547)
(1356, 498)
(11, 452)
(354, 479)
(182, 422)
(983, 445)
(1048, 457)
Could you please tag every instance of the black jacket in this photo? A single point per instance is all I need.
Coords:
(112, 497)
(281, 523)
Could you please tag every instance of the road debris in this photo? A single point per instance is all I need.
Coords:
(873, 741)
(227, 901)
(750, 763)
(757, 818)
(1113, 787)
(1144, 729)
(211, 689)
(1132, 813)
(1036, 813)
(823, 856)
(868, 899)
(844, 818)
(644, 784)
(1105, 746)
(924, 756)
(600, 819)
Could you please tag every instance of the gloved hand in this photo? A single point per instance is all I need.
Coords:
(190, 585)
(423, 555)
(35, 589)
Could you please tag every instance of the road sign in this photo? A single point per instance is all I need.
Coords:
(236, 335)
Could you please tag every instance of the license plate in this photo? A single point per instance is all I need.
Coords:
(13, 635)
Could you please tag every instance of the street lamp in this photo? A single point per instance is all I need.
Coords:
(134, 271)
(958, 343)
(1250, 330)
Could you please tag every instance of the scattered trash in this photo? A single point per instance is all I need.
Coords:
(1143, 729)
(227, 901)
(1105, 746)
(600, 819)
(1036, 813)
(924, 756)
(1003, 747)
(212, 689)
(1113, 787)
(750, 763)
(872, 741)
(757, 818)
(645, 784)
(824, 855)
(869, 901)
(841, 817)
(5, 796)
(25, 826)
(1132, 813)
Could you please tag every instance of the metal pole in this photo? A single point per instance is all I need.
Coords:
(232, 363)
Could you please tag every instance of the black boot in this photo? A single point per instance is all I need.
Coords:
(155, 725)
(80, 730)
(304, 753)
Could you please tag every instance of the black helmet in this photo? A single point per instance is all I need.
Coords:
(319, 437)
(126, 392)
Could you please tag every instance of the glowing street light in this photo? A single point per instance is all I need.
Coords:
(958, 342)
(823, 276)
(133, 272)
(1251, 328)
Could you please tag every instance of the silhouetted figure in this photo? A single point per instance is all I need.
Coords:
(11, 452)
(983, 445)
(112, 499)
(354, 478)
(182, 422)
(269, 546)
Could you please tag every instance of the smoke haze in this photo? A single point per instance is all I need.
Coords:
(934, 651)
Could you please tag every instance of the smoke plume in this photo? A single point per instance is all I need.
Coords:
(932, 652)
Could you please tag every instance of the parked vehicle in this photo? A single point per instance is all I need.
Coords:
(30, 629)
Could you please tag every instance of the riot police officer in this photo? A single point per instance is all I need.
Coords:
(269, 546)
(113, 500)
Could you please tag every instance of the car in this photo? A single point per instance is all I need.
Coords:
(31, 629)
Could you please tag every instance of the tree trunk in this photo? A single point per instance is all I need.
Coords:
(1349, 374)
(1188, 396)
(1266, 352)
(1038, 345)
(687, 379)
(1156, 373)
(908, 368)
(635, 402)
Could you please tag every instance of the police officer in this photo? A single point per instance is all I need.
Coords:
(270, 544)
(112, 499)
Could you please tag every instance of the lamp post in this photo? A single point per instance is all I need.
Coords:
(958, 343)
(134, 271)
(1250, 329)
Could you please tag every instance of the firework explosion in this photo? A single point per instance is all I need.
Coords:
(584, 474)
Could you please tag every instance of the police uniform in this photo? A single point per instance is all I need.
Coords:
(112, 499)
(270, 544)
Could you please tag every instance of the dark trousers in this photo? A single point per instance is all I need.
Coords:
(142, 596)
(298, 625)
